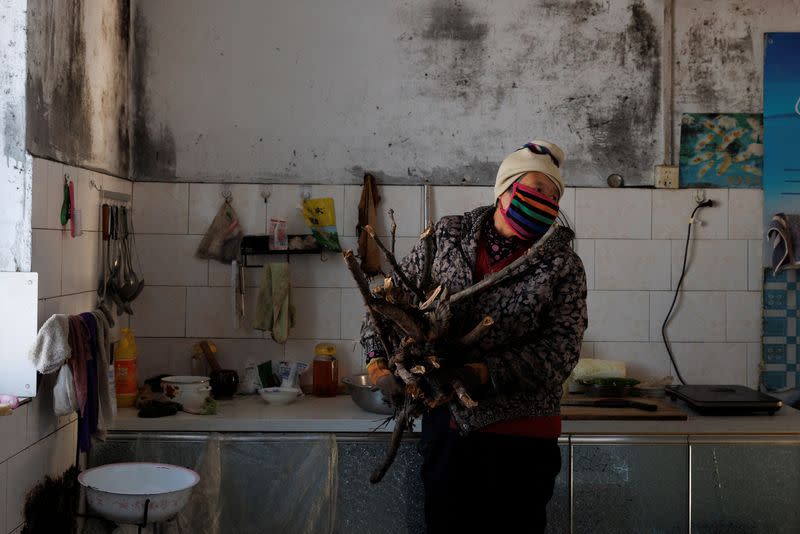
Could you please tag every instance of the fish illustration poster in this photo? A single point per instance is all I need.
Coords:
(781, 124)
(721, 150)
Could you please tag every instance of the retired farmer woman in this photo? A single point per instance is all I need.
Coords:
(493, 468)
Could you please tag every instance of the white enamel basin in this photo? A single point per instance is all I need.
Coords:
(118, 491)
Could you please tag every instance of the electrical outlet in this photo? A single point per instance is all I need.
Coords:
(667, 176)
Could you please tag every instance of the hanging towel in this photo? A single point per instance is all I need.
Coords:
(368, 215)
(784, 234)
(105, 415)
(274, 310)
(224, 236)
(87, 425)
(51, 348)
(79, 345)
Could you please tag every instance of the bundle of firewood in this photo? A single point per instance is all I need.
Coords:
(426, 351)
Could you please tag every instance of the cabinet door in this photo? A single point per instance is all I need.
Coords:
(558, 507)
(748, 487)
(630, 485)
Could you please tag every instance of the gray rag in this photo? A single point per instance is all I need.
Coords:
(784, 234)
(274, 310)
(51, 349)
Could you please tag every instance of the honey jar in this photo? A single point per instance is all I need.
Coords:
(325, 371)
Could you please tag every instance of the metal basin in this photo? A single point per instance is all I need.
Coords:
(368, 397)
(118, 491)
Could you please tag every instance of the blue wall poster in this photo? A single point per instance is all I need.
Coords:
(721, 150)
(781, 126)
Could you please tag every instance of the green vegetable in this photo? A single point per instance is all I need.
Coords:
(621, 382)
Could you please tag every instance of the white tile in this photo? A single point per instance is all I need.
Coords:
(165, 355)
(13, 428)
(458, 199)
(353, 313)
(642, 360)
(697, 316)
(744, 316)
(219, 274)
(117, 185)
(712, 265)
(285, 202)
(87, 197)
(753, 365)
(612, 213)
(618, 316)
(61, 454)
(160, 312)
(671, 210)
(755, 271)
(566, 206)
(71, 304)
(317, 312)
(46, 260)
(712, 363)
(160, 208)
(309, 270)
(210, 313)
(169, 260)
(632, 264)
(25, 470)
(205, 201)
(4, 527)
(585, 248)
(587, 350)
(405, 200)
(81, 255)
(42, 421)
(55, 194)
(746, 218)
(39, 195)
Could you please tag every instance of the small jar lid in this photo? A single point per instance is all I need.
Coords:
(325, 349)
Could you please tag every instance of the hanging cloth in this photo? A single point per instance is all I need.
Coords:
(368, 215)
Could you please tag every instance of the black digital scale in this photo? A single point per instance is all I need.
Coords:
(725, 399)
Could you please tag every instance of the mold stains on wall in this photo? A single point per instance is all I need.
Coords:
(453, 39)
(717, 68)
(77, 82)
(58, 90)
(152, 143)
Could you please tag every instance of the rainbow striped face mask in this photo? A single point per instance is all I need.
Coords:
(530, 214)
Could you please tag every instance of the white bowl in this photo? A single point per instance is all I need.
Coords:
(118, 491)
(190, 392)
(279, 395)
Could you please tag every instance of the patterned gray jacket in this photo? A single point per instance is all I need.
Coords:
(539, 314)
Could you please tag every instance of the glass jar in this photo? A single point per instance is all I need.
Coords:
(325, 371)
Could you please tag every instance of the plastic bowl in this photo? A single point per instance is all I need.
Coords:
(279, 395)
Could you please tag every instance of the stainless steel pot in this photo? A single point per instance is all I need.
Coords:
(368, 397)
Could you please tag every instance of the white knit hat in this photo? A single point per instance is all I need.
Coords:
(536, 156)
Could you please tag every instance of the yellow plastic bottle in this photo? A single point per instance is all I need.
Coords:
(125, 378)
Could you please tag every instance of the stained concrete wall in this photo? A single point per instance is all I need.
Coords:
(442, 90)
(15, 165)
(78, 86)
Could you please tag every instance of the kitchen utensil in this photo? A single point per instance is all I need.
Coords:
(190, 392)
(118, 492)
(368, 397)
(666, 411)
(224, 382)
(279, 396)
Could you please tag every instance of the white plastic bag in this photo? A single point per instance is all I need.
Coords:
(64, 399)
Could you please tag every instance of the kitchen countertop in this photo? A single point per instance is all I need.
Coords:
(341, 415)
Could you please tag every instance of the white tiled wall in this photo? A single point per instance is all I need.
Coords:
(630, 240)
(34, 441)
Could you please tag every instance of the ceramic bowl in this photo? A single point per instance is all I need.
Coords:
(279, 395)
(118, 491)
(190, 391)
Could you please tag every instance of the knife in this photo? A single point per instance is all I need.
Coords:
(613, 403)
